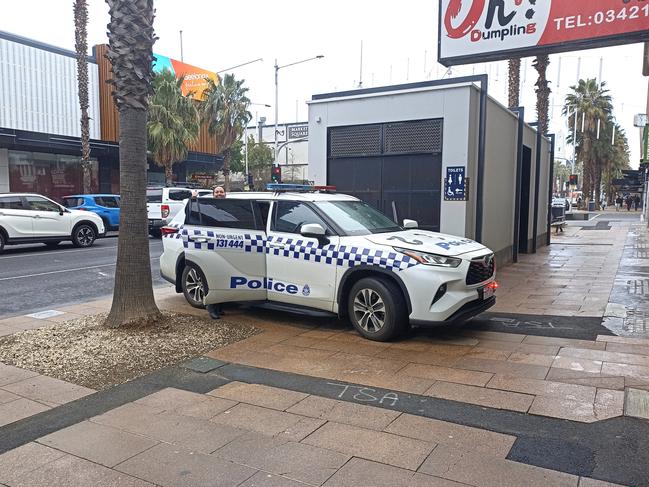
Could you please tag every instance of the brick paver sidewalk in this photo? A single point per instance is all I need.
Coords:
(253, 435)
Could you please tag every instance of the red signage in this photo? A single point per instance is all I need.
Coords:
(489, 30)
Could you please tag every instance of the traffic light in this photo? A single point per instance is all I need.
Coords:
(276, 174)
(574, 179)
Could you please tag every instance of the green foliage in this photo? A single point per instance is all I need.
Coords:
(225, 111)
(173, 122)
(237, 158)
(594, 123)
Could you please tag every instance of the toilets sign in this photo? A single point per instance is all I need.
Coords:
(455, 184)
(473, 31)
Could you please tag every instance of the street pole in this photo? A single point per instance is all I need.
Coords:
(276, 110)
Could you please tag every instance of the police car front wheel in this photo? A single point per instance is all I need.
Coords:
(377, 309)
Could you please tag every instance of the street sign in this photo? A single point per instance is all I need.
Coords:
(455, 184)
(640, 120)
(298, 131)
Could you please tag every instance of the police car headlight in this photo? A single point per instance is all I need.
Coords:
(431, 259)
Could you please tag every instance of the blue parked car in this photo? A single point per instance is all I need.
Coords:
(105, 205)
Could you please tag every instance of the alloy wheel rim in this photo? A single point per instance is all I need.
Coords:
(369, 310)
(84, 235)
(194, 286)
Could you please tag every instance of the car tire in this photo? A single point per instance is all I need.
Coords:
(2, 242)
(194, 285)
(84, 235)
(377, 309)
(155, 233)
(52, 244)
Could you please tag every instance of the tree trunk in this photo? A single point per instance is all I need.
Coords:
(81, 47)
(514, 82)
(133, 294)
(543, 91)
(169, 173)
(227, 155)
(587, 184)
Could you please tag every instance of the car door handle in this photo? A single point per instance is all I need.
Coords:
(276, 245)
(37, 216)
(198, 239)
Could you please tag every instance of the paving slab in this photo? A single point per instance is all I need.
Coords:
(170, 399)
(19, 409)
(478, 469)
(344, 412)
(48, 390)
(361, 473)
(637, 403)
(10, 374)
(372, 445)
(98, 443)
(296, 461)
(483, 397)
(20, 461)
(259, 395)
(268, 421)
(447, 374)
(443, 432)
(265, 479)
(170, 466)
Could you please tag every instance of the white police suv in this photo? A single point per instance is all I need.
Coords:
(325, 251)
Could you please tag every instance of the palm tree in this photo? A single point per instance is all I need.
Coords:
(514, 82)
(81, 47)
(543, 91)
(587, 104)
(225, 110)
(173, 122)
(611, 152)
(131, 38)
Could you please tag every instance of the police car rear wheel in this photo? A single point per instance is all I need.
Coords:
(377, 309)
(194, 285)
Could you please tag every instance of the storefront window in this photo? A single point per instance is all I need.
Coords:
(52, 175)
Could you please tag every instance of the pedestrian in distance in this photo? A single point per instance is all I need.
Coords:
(629, 202)
(618, 203)
(637, 202)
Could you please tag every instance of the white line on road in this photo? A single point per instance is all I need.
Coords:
(61, 271)
(56, 252)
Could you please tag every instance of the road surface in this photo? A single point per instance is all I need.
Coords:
(34, 278)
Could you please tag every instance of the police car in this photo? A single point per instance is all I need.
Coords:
(329, 252)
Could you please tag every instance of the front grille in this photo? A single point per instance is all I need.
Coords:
(481, 269)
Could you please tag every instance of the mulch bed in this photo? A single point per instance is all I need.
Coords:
(86, 353)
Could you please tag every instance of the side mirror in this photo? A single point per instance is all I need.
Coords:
(313, 230)
(410, 224)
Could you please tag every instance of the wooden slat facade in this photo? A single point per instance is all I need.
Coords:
(110, 117)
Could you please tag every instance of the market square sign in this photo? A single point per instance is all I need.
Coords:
(490, 30)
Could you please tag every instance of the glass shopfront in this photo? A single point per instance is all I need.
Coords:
(52, 175)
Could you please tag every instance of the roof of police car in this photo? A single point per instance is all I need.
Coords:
(293, 196)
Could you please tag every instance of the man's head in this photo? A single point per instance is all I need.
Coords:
(218, 192)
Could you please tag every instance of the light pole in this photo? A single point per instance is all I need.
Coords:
(277, 68)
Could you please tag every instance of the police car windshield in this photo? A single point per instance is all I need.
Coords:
(357, 218)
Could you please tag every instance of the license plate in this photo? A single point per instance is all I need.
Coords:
(488, 292)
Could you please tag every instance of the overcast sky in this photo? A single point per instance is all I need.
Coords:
(399, 40)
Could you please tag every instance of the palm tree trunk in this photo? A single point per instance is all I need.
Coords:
(514, 82)
(133, 294)
(81, 47)
(227, 155)
(543, 91)
(169, 172)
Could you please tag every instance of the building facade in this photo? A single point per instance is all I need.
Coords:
(40, 124)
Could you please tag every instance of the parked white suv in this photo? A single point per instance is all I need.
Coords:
(32, 218)
(164, 203)
(328, 252)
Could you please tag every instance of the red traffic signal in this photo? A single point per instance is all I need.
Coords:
(276, 174)
(574, 179)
